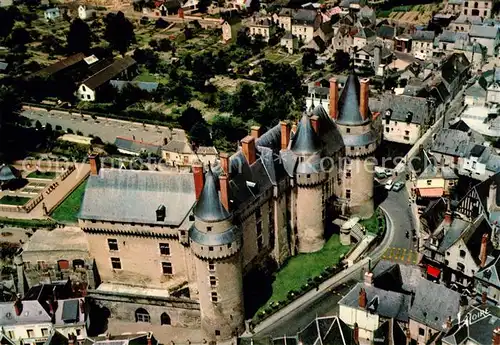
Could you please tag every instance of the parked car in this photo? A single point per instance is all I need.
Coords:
(398, 186)
(380, 175)
(389, 184)
(388, 172)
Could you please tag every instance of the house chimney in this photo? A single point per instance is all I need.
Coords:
(364, 98)
(356, 334)
(492, 198)
(294, 128)
(362, 298)
(482, 253)
(448, 218)
(285, 135)
(248, 148)
(18, 306)
(150, 338)
(496, 336)
(224, 162)
(224, 191)
(368, 278)
(82, 306)
(255, 132)
(334, 96)
(484, 297)
(315, 123)
(95, 164)
(199, 179)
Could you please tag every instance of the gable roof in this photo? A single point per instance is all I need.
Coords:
(395, 277)
(454, 67)
(434, 304)
(135, 195)
(326, 330)
(451, 142)
(386, 31)
(136, 146)
(422, 35)
(491, 272)
(108, 73)
(8, 173)
(60, 65)
(305, 16)
(481, 31)
(32, 312)
(398, 107)
(178, 146)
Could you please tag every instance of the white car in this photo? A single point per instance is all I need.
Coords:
(389, 184)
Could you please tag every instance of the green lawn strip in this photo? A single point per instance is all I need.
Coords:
(302, 267)
(45, 175)
(13, 200)
(375, 223)
(27, 223)
(68, 210)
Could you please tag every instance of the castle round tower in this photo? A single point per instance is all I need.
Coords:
(309, 179)
(216, 244)
(354, 121)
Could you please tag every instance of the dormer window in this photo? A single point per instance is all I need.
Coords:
(160, 213)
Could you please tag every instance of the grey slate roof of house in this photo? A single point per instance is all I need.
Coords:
(386, 31)
(480, 31)
(463, 19)
(395, 277)
(433, 304)
(209, 207)
(478, 332)
(304, 16)
(453, 233)
(387, 304)
(385, 335)
(56, 338)
(136, 146)
(348, 104)
(491, 273)
(178, 146)
(365, 33)
(370, 49)
(454, 67)
(475, 90)
(452, 36)
(32, 313)
(432, 171)
(108, 73)
(61, 65)
(326, 330)
(400, 106)
(3, 65)
(305, 141)
(134, 196)
(421, 35)
(451, 142)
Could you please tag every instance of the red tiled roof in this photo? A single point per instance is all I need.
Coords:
(431, 192)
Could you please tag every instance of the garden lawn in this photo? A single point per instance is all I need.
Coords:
(68, 210)
(49, 175)
(304, 266)
(373, 224)
(13, 200)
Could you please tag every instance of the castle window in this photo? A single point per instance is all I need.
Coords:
(348, 174)
(214, 297)
(348, 130)
(213, 281)
(209, 228)
(30, 333)
(460, 267)
(167, 268)
(165, 319)
(116, 263)
(112, 244)
(211, 266)
(347, 193)
(210, 249)
(164, 248)
(45, 332)
(407, 132)
(183, 232)
(142, 315)
(11, 334)
(462, 253)
(406, 138)
(217, 332)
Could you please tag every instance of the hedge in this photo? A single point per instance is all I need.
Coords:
(27, 223)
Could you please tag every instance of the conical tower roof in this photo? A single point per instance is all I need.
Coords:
(349, 103)
(305, 140)
(209, 207)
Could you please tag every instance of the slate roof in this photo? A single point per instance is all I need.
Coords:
(134, 196)
(422, 35)
(61, 65)
(304, 17)
(451, 142)
(305, 141)
(56, 338)
(383, 336)
(108, 73)
(433, 304)
(400, 106)
(452, 233)
(387, 304)
(178, 146)
(475, 90)
(348, 104)
(328, 132)
(452, 36)
(370, 49)
(209, 207)
(326, 330)
(386, 31)
(491, 272)
(391, 276)
(8, 173)
(454, 67)
(432, 171)
(286, 12)
(478, 332)
(480, 31)
(32, 313)
(136, 146)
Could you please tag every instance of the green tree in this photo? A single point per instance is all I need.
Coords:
(309, 59)
(190, 117)
(245, 103)
(10, 106)
(19, 36)
(227, 131)
(119, 32)
(341, 60)
(79, 37)
(200, 135)
(7, 19)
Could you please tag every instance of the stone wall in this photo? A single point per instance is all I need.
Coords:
(310, 227)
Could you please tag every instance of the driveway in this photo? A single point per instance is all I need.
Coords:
(106, 129)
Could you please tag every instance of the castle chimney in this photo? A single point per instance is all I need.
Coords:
(255, 132)
(224, 162)
(356, 334)
(248, 148)
(95, 164)
(224, 191)
(364, 98)
(482, 253)
(334, 96)
(18, 306)
(496, 336)
(362, 298)
(492, 198)
(198, 179)
(285, 135)
(368, 278)
(484, 298)
(315, 123)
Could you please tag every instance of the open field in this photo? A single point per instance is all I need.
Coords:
(68, 210)
(410, 14)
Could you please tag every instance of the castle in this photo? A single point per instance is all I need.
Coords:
(174, 248)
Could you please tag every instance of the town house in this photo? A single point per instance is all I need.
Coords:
(487, 36)
(422, 44)
(305, 23)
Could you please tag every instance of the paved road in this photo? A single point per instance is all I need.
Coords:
(396, 207)
(106, 129)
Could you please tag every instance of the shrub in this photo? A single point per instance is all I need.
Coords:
(79, 133)
(58, 128)
(69, 131)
